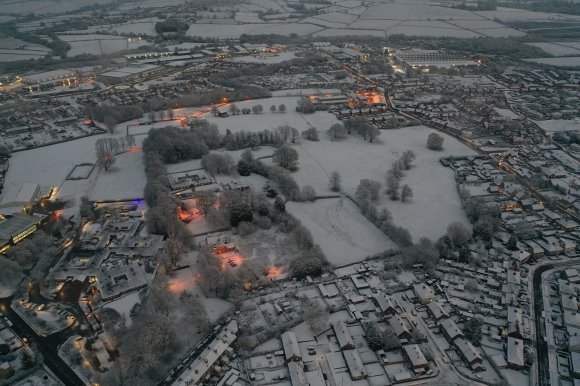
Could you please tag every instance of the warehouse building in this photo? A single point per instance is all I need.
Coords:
(129, 73)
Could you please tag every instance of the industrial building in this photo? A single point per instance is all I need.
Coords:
(16, 228)
(128, 73)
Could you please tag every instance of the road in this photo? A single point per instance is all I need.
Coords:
(48, 346)
(542, 349)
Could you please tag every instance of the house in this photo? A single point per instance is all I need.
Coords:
(399, 327)
(359, 282)
(469, 354)
(200, 370)
(291, 348)
(355, 366)
(571, 319)
(416, 358)
(521, 256)
(296, 371)
(385, 304)
(424, 293)
(344, 338)
(514, 322)
(436, 311)
(575, 365)
(515, 353)
(450, 330)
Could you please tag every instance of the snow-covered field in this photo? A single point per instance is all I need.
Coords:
(125, 180)
(123, 306)
(50, 165)
(271, 121)
(234, 31)
(343, 234)
(99, 44)
(435, 203)
(267, 59)
(570, 61)
(559, 48)
(512, 14)
(554, 125)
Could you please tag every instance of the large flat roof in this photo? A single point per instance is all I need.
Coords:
(16, 224)
(19, 193)
(130, 70)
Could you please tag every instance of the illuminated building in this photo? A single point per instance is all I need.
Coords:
(16, 228)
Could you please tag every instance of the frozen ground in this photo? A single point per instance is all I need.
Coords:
(337, 225)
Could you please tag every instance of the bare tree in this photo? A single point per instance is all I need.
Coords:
(285, 132)
(273, 108)
(337, 131)
(334, 181)
(295, 135)
(407, 159)
(393, 185)
(205, 200)
(406, 192)
(458, 234)
(308, 193)
(396, 170)
(214, 110)
(282, 108)
(216, 163)
(316, 315)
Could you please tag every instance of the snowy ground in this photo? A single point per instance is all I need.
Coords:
(569, 61)
(554, 125)
(271, 121)
(559, 48)
(337, 225)
(436, 201)
(184, 280)
(123, 306)
(125, 180)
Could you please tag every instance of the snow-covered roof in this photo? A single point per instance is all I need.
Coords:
(210, 355)
(468, 352)
(291, 348)
(342, 335)
(515, 352)
(424, 292)
(415, 355)
(437, 310)
(451, 329)
(398, 326)
(354, 364)
(385, 302)
(296, 371)
(19, 194)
